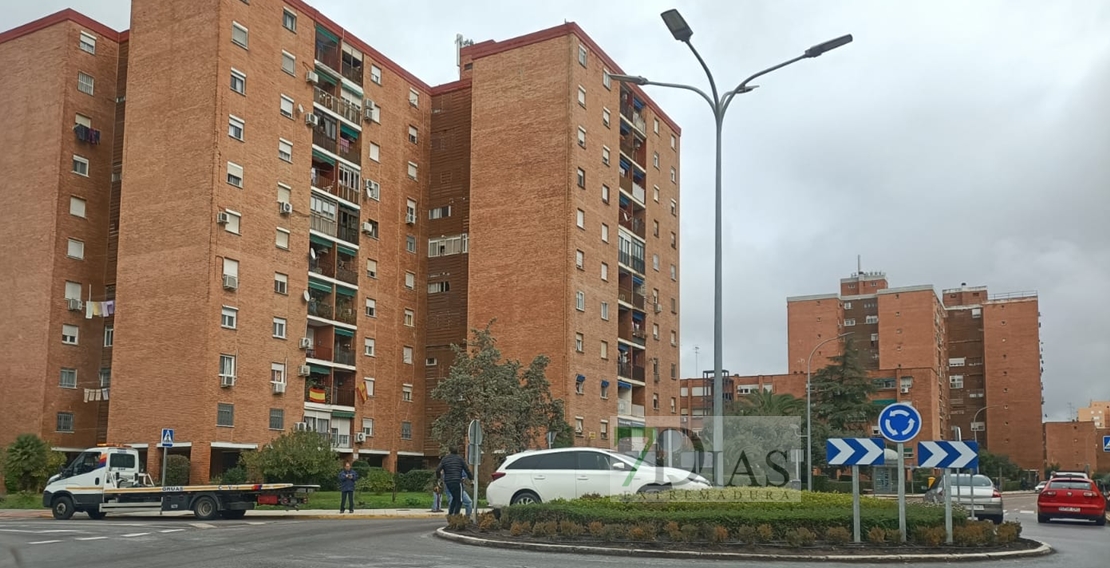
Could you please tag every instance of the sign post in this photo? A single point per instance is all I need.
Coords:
(950, 455)
(900, 423)
(550, 440)
(474, 433)
(855, 452)
(166, 443)
(1106, 443)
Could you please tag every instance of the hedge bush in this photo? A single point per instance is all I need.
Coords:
(376, 480)
(416, 480)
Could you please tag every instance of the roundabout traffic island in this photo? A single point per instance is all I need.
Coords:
(741, 524)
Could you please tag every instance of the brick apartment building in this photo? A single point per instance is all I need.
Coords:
(1098, 411)
(964, 358)
(1077, 446)
(294, 225)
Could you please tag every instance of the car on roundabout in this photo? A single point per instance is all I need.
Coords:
(970, 491)
(536, 476)
(1071, 498)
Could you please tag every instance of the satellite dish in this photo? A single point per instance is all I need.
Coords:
(312, 254)
(306, 296)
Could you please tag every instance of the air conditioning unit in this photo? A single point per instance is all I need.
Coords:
(905, 390)
(227, 381)
(368, 227)
(304, 371)
(410, 218)
(373, 189)
(311, 119)
(279, 388)
(368, 110)
(223, 218)
(73, 304)
(306, 343)
(360, 437)
(285, 207)
(312, 77)
(301, 427)
(658, 307)
(231, 282)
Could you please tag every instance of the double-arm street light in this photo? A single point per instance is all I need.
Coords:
(719, 104)
(809, 410)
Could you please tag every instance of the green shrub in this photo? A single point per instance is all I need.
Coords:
(691, 532)
(415, 480)
(930, 536)
(28, 462)
(614, 532)
(1009, 531)
(838, 535)
(748, 534)
(718, 534)
(800, 537)
(876, 535)
(234, 476)
(177, 470)
(594, 527)
(569, 528)
(361, 467)
(376, 480)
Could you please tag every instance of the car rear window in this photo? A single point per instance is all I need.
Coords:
(1073, 485)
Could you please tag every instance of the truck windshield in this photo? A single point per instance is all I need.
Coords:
(83, 463)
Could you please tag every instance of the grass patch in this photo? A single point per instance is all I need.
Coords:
(21, 501)
(405, 500)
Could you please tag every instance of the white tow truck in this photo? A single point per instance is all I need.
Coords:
(107, 479)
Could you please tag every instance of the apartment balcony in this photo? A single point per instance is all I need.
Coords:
(630, 371)
(626, 408)
(321, 266)
(346, 271)
(327, 49)
(633, 147)
(635, 298)
(630, 183)
(324, 179)
(344, 357)
(634, 224)
(347, 233)
(322, 391)
(321, 309)
(350, 111)
(340, 440)
(320, 223)
(86, 134)
(631, 113)
(322, 139)
(348, 146)
(634, 262)
(351, 65)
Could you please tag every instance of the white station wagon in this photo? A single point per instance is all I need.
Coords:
(536, 476)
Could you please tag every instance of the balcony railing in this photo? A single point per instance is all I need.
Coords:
(346, 273)
(350, 71)
(626, 408)
(631, 371)
(349, 234)
(637, 226)
(320, 310)
(323, 267)
(639, 337)
(348, 150)
(344, 357)
(321, 352)
(323, 224)
(345, 314)
(344, 108)
(327, 53)
(340, 440)
(630, 296)
(326, 394)
(636, 154)
(638, 410)
(320, 138)
(634, 116)
(638, 193)
(636, 263)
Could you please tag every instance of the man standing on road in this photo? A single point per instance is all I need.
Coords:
(452, 467)
(347, 479)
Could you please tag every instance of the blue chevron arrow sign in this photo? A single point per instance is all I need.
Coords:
(948, 455)
(855, 451)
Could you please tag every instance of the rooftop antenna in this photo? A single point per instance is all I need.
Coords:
(696, 350)
(460, 42)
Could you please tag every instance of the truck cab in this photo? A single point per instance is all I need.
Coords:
(80, 485)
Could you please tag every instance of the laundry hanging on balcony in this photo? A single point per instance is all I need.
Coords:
(96, 395)
(102, 309)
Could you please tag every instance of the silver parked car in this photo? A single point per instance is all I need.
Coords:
(967, 489)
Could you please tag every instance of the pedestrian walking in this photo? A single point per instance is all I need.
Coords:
(437, 496)
(347, 479)
(468, 504)
(452, 467)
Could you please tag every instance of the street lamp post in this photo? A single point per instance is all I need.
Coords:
(719, 104)
(974, 419)
(809, 410)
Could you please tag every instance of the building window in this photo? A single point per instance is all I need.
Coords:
(674, 175)
(605, 311)
(582, 137)
(406, 393)
(371, 308)
(674, 208)
(582, 96)
(64, 422)
(847, 305)
(410, 244)
(277, 416)
(368, 347)
(406, 430)
(674, 305)
(976, 313)
(109, 335)
(410, 211)
(605, 194)
(231, 268)
(235, 127)
(410, 318)
(581, 178)
(674, 241)
(582, 53)
(281, 283)
(414, 135)
(406, 355)
(604, 233)
(289, 20)
(412, 171)
(655, 160)
(376, 74)
(655, 193)
(580, 301)
(605, 271)
(368, 427)
(87, 43)
(373, 190)
(578, 426)
(371, 268)
(285, 150)
(849, 322)
(674, 272)
(580, 219)
(85, 83)
(655, 331)
(286, 107)
(579, 259)
(605, 155)
(279, 328)
(225, 415)
(369, 382)
(232, 224)
(288, 63)
(277, 373)
(414, 98)
(228, 317)
(604, 355)
(674, 338)
(375, 152)
(673, 142)
(75, 249)
(579, 343)
(439, 287)
(282, 239)
(73, 290)
(606, 80)
(239, 35)
(410, 280)
(234, 174)
(77, 207)
(605, 117)
(238, 81)
(872, 319)
(80, 166)
(68, 379)
(227, 366)
(655, 262)
(439, 212)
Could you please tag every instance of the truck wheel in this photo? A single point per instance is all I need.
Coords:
(232, 514)
(205, 508)
(96, 515)
(62, 507)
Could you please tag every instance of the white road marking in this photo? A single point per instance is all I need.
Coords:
(171, 530)
(202, 525)
(40, 532)
(1024, 512)
(91, 538)
(135, 534)
(44, 542)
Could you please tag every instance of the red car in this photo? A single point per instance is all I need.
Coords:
(1071, 498)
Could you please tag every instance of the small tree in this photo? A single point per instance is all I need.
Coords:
(766, 403)
(842, 393)
(177, 470)
(294, 457)
(515, 408)
(29, 462)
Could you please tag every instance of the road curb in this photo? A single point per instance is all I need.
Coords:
(1042, 550)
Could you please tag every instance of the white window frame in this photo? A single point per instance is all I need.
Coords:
(581, 96)
(605, 311)
(236, 26)
(406, 355)
(371, 308)
(414, 171)
(242, 77)
(579, 343)
(235, 171)
(414, 97)
(234, 123)
(227, 363)
(604, 193)
(371, 268)
(606, 117)
(86, 83)
(231, 267)
(414, 134)
(580, 219)
(281, 281)
(285, 150)
(580, 301)
(410, 280)
(604, 233)
(368, 430)
(75, 249)
(229, 317)
(368, 346)
(605, 271)
(375, 74)
(286, 107)
(109, 335)
(606, 79)
(288, 16)
(234, 219)
(71, 374)
(79, 164)
(289, 63)
(279, 236)
(375, 152)
(605, 155)
(77, 206)
(280, 328)
(277, 373)
(87, 43)
(406, 393)
(71, 334)
(73, 290)
(410, 318)
(583, 55)
(369, 382)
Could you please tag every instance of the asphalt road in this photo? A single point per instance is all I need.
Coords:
(162, 543)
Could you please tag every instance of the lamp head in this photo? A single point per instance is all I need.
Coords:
(819, 49)
(678, 26)
(634, 79)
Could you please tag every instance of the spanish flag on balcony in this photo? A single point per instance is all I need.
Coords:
(361, 389)
(316, 394)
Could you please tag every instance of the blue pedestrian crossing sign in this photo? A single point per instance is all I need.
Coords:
(167, 438)
(899, 422)
(1106, 443)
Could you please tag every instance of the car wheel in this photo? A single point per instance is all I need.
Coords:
(1101, 521)
(997, 520)
(62, 507)
(1042, 519)
(652, 489)
(525, 498)
(205, 508)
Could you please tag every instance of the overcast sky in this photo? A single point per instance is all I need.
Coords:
(951, 142)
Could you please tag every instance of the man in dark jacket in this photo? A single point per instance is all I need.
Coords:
(347, 479)
(452, 467)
